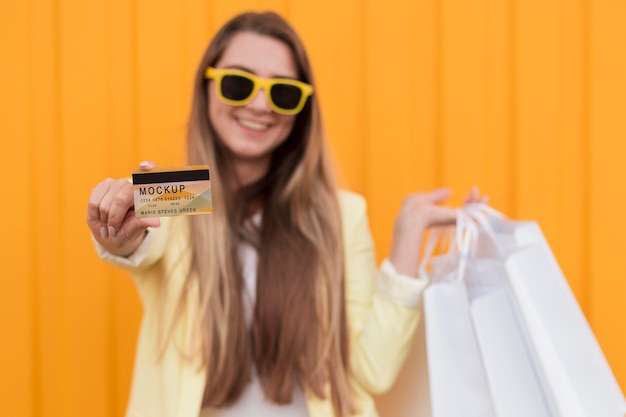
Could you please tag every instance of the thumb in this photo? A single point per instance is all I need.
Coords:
(134, 226)
(439, 195)
(147, 165)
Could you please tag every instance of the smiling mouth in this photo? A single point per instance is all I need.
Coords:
(259, 127)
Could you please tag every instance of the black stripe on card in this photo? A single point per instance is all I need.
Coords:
(170, 176)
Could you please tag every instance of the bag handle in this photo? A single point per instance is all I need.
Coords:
(470, 220)
(484, 216)
(466, 239)
(437, 237)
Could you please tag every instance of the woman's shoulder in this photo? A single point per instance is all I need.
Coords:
(352, 207)
(350, 201)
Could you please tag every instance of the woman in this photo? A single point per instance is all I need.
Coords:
(271, 304)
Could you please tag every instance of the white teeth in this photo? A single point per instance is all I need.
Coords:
(253, 125)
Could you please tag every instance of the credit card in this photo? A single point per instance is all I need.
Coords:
(166, 192)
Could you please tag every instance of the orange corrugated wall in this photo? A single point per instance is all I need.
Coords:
(525, 98)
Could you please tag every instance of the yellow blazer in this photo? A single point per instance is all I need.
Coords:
(381, 305)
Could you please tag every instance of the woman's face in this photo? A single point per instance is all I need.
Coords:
(250, 133)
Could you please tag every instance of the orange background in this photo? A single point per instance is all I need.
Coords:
(525, 98)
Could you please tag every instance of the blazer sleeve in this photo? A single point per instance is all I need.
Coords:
(148, 252)
(382, 306)
(156, 254)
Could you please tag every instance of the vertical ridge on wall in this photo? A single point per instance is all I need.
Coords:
(607, 127)
(425, 64)
(36, 402)
(119, 158)
(345, 119)
(46, 50)
(499, 140)
(537, 106)
(585, 285)
(47, 260)
(196, 36)
(162, 93)
(571, 126)
(121, 93)
(16, 316)
(513, 109)
(389, 116)
(437, 57)
(463, 95)
(412, 142)
(84, 123)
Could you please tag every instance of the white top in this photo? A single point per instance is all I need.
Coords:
(252, 401)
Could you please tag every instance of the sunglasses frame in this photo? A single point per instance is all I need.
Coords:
(258, 83)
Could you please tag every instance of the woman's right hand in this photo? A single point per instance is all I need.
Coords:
(111, 216)
(419, 212)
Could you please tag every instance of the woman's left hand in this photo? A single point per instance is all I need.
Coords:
(419, 212)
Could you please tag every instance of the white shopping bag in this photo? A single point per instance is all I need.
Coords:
(479, 363)
(530, 351)
(454, 371)
(576, 375)
(450, 380)
(457, 380)
(516, 384)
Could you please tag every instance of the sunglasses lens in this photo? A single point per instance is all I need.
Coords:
(236, 87)
(286, 96)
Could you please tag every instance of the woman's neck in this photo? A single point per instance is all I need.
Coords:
(247, 172)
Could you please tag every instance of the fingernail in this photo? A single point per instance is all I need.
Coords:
(144, 164)
(112, 231)
(103, 232)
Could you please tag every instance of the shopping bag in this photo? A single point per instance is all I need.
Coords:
(516, 384)
(465, 314)
(450, 379)
(457, 380)
(573, 370)
(479, 363)
(453, 371)
(537, 355)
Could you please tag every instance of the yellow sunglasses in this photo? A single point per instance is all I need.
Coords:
(238, 88)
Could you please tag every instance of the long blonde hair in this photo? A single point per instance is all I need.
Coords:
(299, 332)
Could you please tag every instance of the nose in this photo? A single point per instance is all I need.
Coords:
(259, 102)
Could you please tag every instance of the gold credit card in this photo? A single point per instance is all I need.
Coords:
(164, 192)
